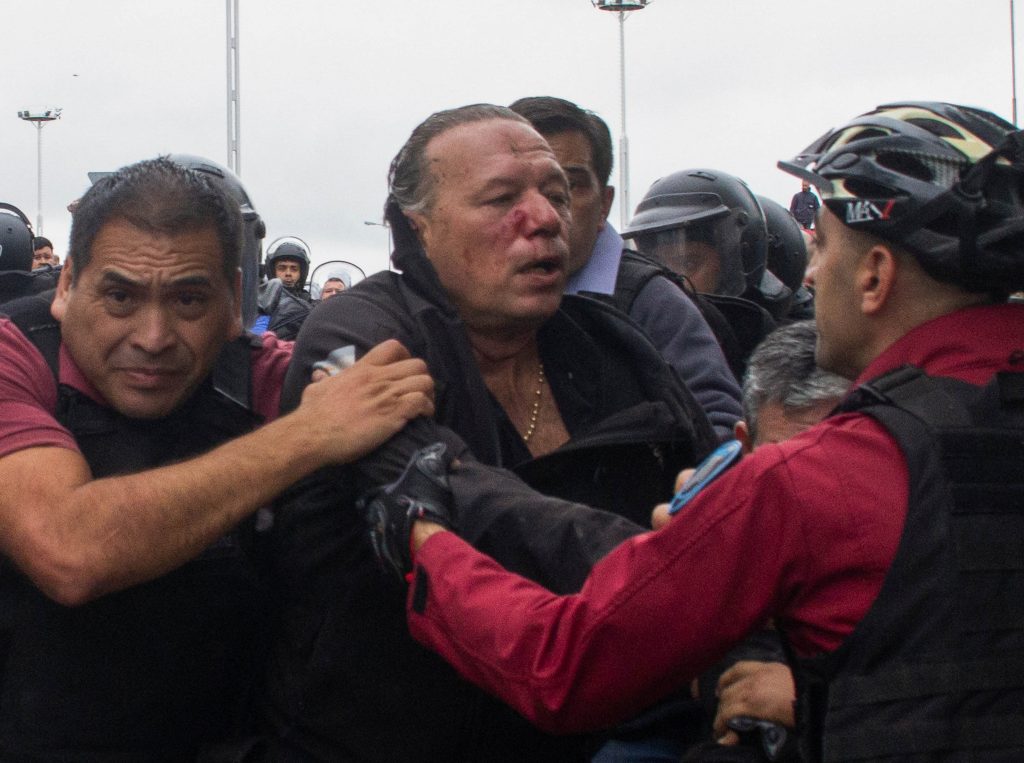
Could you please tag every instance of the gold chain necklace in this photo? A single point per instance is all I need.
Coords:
(535, 413)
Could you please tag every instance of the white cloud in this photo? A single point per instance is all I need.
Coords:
(331, 90)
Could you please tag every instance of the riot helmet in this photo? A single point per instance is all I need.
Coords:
(254, 229)
(15, 239)
(289, 248)
(944, 182)
(788, 257)
(335, 270)
(707, 225)
(787, 252)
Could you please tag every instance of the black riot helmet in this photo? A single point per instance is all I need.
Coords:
(787, 251)
(15, 239)
(706, 225)
(944, 182)
(787, 260)
(254, 230)
(289, 248)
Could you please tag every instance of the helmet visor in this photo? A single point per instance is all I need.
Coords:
(708, 254)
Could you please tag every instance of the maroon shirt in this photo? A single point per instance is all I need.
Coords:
(28, 393)
(802, 531)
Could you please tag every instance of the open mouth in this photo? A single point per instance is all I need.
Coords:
(544, 267)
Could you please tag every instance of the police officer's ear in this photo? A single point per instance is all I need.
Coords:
(742, 433)
(59, 305)
(876, 277)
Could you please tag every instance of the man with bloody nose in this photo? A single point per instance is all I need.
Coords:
(562, 390)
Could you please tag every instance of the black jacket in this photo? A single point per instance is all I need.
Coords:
(349, 683)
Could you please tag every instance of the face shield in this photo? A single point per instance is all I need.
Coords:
(347, 273)
(707, 252)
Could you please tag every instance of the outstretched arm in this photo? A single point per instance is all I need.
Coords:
(78, 538)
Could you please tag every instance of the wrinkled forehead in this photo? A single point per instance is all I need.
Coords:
(479, 147)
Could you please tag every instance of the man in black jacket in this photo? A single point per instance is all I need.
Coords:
(565, 392)
(804, 206)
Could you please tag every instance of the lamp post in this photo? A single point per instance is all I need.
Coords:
(1013, 63)
(622, 7)
(39, 117)
(234, 89)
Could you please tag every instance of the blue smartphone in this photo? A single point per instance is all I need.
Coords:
(721, 458)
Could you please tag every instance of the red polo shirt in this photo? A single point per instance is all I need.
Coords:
(28, 393)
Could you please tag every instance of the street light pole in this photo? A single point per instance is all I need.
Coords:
(1013, 63)
(39, 118)
(622, 7)
(234, 106)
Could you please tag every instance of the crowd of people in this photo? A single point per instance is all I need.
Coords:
(253, 515)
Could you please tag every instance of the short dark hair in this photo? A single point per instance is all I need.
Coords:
(783, 370)
(40, 242)
(157, 196)
(550, 115)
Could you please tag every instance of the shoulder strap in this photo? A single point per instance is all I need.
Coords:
(911, 389)
(32, 317)
(635, 271)
(232, 373)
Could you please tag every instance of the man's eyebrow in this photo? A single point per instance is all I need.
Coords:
(113, 278)
(499, 182)
(186, 281)
(496, 184)
(576, 171)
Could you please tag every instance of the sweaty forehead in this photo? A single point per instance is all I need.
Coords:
(492, 139)
(119, 245)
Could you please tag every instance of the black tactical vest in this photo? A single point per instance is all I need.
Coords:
(738, 324)
(935, 670)
(156, 671)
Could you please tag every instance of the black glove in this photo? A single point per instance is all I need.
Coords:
(422, 492)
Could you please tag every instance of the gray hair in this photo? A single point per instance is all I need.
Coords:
(783, 370)
(410, 181)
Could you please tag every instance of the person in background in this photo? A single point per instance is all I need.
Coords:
(784, 393)
(601, 266)
(332, 287)
(283, 303)
(42, 253)
(289, 261)
(804, 205)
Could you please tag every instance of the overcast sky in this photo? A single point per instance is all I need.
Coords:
(331, 89)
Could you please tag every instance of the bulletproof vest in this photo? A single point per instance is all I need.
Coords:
(156, 671)
(738, 324)
(935, 670)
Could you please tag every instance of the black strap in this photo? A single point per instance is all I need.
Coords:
(911, 389)
(32, 317)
